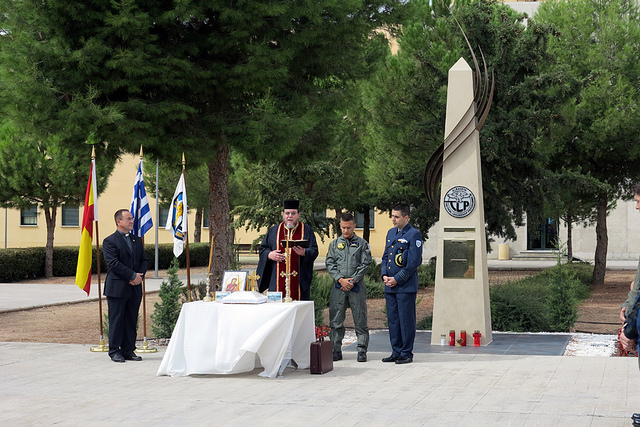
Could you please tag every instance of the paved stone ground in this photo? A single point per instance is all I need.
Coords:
(68, 385)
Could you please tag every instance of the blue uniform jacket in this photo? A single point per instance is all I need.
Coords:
(401, 258)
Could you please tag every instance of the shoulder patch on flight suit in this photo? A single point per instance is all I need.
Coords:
(341, 246)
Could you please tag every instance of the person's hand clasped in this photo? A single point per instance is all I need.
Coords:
(346, 284)
(389, 281)
(626, 343)
(137, 280)
(276, 256)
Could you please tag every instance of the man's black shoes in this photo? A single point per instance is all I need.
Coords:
(118, 358)
(391, 358)
(402, 360)
(337, 355)
(362, 356)
(132, 356)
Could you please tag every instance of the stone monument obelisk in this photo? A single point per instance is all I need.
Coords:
(461, 300)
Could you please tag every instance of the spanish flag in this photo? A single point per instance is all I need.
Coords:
(83, 272)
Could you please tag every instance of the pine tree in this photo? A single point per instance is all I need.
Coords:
(166, 312)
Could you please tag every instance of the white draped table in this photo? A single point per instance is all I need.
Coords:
(216, 338)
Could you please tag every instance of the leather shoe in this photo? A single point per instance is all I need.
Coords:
(362, 356)
(132, 356)
(118, 358)
(337, 355)
(403, 360)
(391, 358)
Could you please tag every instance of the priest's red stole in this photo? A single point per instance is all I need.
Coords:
(294, 280)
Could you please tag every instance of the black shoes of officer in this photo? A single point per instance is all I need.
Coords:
(132, 356)
(402, 360)
(118, 358)
(391, 358)
(337, 355)
(362, 356)
(636, 419)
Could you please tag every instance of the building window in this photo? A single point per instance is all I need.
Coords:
(29, 216)
(360, 219)
(70, 215)
(205, 218)
(163, 213)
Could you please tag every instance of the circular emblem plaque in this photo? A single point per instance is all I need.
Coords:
(459, 202)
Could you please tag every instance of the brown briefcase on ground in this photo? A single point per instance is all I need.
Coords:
(321, 357)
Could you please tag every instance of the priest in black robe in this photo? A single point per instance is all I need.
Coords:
(273, 263)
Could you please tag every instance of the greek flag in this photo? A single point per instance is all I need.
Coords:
(177, 218)
(140, 206)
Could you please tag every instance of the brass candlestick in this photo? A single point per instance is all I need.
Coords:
(207, 297)
(254, 277)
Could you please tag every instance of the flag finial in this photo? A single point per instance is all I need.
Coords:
(140, 151)
(183, 161)
(93, 152)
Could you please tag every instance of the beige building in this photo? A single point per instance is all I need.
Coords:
(28, 228)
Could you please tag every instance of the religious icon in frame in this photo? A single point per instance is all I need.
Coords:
(233, 281)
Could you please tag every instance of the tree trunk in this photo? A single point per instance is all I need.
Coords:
(569, 238)
(50, 217)
(366, 226)
(602, 241)
(219, 215)
(197, 229)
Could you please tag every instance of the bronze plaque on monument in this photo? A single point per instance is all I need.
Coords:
(459, 259)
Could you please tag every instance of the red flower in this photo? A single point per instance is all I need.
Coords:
(322, 331)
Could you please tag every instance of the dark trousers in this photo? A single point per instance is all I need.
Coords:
(401, 316)
(123, 319)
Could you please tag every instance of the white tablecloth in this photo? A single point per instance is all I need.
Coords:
(216, 338)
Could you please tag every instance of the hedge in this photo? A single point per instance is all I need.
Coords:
(28, 263)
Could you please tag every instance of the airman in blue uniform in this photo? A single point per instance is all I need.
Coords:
(400, 261)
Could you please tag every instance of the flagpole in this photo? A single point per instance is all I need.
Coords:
(101, 347)
(138, 203)
(157, 218)
(186, 235)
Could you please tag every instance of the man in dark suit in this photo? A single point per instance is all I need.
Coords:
(126, 263)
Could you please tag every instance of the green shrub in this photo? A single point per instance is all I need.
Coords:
(167, 311)
(373, 273)
(425, 324)
(321, 285)
(28, 263)
(20, 264)
(518, 307)
(565, 293)
(547, 301)
(375, 289)
(427, 274)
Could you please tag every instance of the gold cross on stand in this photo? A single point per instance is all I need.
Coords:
(289, 273)
(287, 284)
